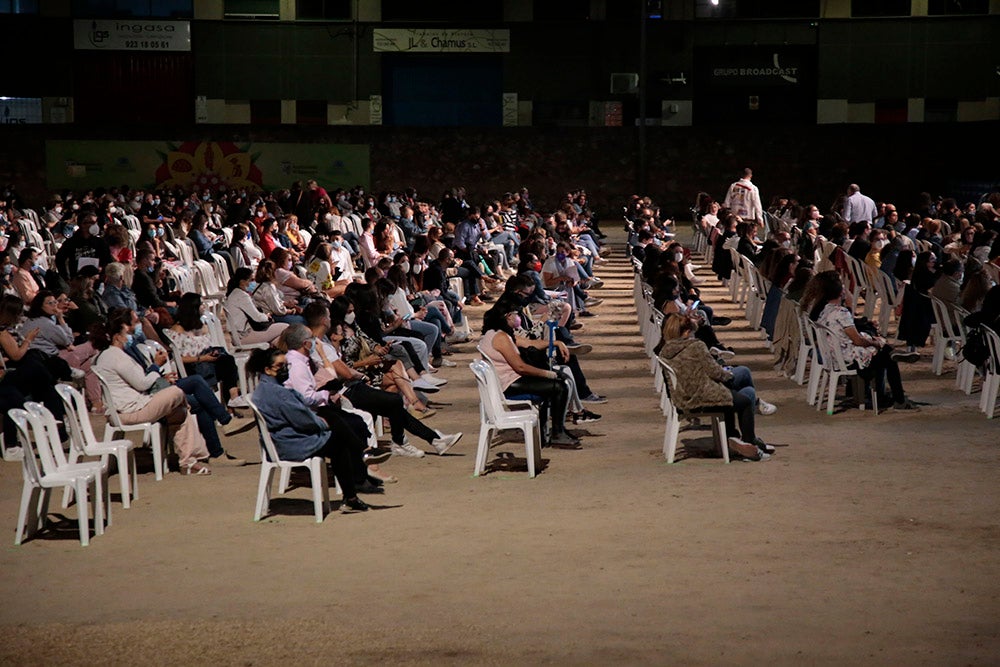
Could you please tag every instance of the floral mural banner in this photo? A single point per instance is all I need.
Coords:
(218, 165)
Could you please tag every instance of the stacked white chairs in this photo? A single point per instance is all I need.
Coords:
(738, 280)
(270, 462)
(151, 433)
(83, 442)
(755, 293)
(498, 413)
(945, 334)
(674, 415)
(45, 468)
(206, 282)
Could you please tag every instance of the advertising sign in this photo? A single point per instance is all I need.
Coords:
(131, 35)
(189, 164)
(440, 40)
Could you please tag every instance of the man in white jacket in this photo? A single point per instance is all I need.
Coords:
(743, 199)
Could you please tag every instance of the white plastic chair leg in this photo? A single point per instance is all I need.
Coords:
(263, 491)
(482, 451)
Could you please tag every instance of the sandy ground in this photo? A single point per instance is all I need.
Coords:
(866, 540)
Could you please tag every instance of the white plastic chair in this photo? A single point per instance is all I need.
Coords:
(38, 484)
(56, 471)
(497, 413)
(673, 415)
(151, 433)
(84, 443)
(830, 364)
(806, 349)
(966, 372)
(270, 461)
(241, 353)
(888, 297)
(991, 382)
(944, 333)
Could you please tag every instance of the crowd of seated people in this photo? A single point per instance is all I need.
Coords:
(383, 264)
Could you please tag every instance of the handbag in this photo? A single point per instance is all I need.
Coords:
(538, 358)
(255, 325)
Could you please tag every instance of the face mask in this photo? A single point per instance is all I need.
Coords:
(129, 340)
(76, 207)
(206, 198)
(252, 286)
(8, 269)
(881, 243)
(68, 232)
(157, 201)
(249, 236)
(58, 209)
(335, 245)
(288, 265)
(282, 376)
(418, 267)
(786, 244)
(406, 267)
(260, 214)
(349, 317)
(678, 257)
(151, 233)
(95, 229)
(37, 268)
(160, 231)
(111, 209)
(537, 266)
(561, 256)
(516, 322)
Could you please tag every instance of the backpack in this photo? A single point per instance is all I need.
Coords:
(976, 350)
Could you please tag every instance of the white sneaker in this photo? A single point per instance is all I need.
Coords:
(448, 363)
(238, 402)
(443, 442)
(424, 385)
(765, 408)
(437, 382)
(407, 450)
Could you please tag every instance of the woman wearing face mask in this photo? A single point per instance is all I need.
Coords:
(879, 241)
(270, 300)
(319, 270)
(517, 377)
(242, 314)
(191, 337)
(243, 250)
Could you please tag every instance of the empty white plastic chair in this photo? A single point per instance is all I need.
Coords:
(83, 442)
(498, 413)
(945, 333)
(270, 461)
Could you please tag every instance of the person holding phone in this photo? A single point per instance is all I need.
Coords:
(199, 355)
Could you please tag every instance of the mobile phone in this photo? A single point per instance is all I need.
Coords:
(408, 316)
(694, 306)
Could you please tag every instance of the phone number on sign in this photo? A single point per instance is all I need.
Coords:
(147, 44)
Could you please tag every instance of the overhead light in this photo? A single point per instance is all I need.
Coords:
(715, 3)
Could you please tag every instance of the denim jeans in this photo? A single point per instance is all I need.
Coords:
(207, 409)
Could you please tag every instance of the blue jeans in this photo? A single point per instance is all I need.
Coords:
(434, 316)
(207, 409)
(510, 242)
(429, 332)
(290, 319)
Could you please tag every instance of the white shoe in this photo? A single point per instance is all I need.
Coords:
(765, 408)
(424, 385)
(238, 402)
(437, 382)
(448, 363)
(76, 373)
(407, 450)
(443, 442)
(457, 338)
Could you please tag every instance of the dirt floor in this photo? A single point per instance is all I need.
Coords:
(866, 540)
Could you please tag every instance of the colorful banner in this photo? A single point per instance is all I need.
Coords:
(189, 164)
(440, 40)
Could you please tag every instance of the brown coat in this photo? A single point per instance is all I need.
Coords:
(699, 375)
